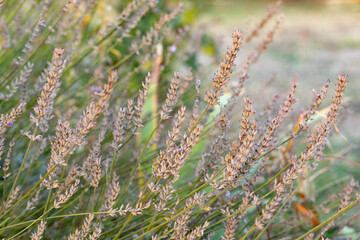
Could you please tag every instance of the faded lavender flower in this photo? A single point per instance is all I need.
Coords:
(45, 103)
(93, 110)
(171, 97)
(64, 197)
(38, 234)
(60, 146)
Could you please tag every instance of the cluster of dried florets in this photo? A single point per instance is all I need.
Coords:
(110, 198)
(19, 83)
(60, 146)
(211, 158)
(62, 198)
(92, 164)
(169, 163)
(171, 97)
(181, 229)
(223, 76)
(154, 31)
(276, 121)
(7, 121)
(137, 117)
(38, 234)
(85, 228)
(164, 164)
(137, 210)
(44, 108)
(238, 161)
(254, 56)
(94, 110)
(271, 12)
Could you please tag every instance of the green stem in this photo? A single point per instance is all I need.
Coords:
(112, 167)
(332, 218)
(93, 201)
(17, 234)
(122, 61)
(123, 226)
(20, 169)
(51, 217)
(277, 212)
(18, 136)
(47, 201)
(37, 184)
(170, 219)
(136, 165)
(248, 232)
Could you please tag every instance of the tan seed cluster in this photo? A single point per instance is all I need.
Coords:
(171, 97)
(139, 108)
(85, 229)
(64, 197)
(154, 31)
(162, 168)
(277, 120)
(94, 110)
(45, 103)
(38, 234)
(7, 121)
(271, 12)
(92, 164)
(222, 76)
(60, 145)
(13, 197)
(110, 198)
(238, 160)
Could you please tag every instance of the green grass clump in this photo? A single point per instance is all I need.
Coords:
(107, 133)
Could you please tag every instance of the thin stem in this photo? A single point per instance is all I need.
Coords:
(170, 219)
(136, 165)
(127, 57)
(37, 184)
(112, 167)
(17, 234)
(332, 218)
(52, 217)
(47, 201)
(123, 226)
(277, 212)
(20, 169)
(351, 219)
(248, 232)
(93, 201)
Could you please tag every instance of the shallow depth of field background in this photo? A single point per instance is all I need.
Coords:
(317, 40)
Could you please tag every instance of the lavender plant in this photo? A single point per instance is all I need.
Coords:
(107, 133)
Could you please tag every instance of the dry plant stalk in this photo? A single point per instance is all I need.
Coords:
(222, 76)
(45, 103)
